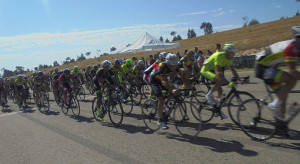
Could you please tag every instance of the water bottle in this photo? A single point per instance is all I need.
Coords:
(293, 108)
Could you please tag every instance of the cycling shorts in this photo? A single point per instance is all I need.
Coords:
(270, 75)
(157, 88)
(209, 74)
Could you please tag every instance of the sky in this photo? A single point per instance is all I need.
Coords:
(34, 32)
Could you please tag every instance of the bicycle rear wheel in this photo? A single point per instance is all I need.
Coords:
(81, 94)
(256, 120)
(115, 112)
(75, 106)
(198, 103)
(46, 104)
(186, 124)
(127, 102)
(150, 115)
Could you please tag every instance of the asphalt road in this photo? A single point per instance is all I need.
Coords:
(33, 137)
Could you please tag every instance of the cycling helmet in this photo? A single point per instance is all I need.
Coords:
(296, 30)
(172, 59)
(190, 53)
(88, 67)
(106, 63)
(141, 62)
(56, 69)
(95, 66)
(76, 68)
(12, 79)
(118, 61)
(230, 47)
(129, 62)
(66, 71)
(40, 73)
(162, 55)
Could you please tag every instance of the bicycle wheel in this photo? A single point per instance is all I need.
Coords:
(186, 124)
(235, 102)
(64, 107)
(46, 104)
(94, 109)
(256, 120)
(198, 103)
(81, 94)
(115, 112)
(150, 115)
(136, 95)
(75, 106)
(146, 90)
(127, 102)
(202, 87)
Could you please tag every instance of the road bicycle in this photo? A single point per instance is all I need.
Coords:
(70, 102)
(110, 104)
(43, 101)
(233, 101)
(257, 121)
(174, 111)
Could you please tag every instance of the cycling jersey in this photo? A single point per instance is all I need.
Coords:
(218, 59)
(115, 70)
(20, 82)
(138, 70)
(76, 72)
(162, 70)
(125, 70)
(187, 62)
(39, 80)
(63, 79)
(100, 74)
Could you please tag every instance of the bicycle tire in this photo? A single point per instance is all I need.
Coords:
(46, 104)
(256, 120)
(146, 90)
(81, 94)
(75, 106)
(65, 109)
(234, 104)
(115, 112)
(187, 126)
(198, 103)
(150, 115)
(127, 102)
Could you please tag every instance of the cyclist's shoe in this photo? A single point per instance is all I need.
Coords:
(162, 125)
(223, 115)
(275, 108)
(210, 99)
(99, 116)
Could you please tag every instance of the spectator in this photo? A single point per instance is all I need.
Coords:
(196, 54)
(200, 59)
(151, 59)
(218, 47)
(208, 53)
(134, 61)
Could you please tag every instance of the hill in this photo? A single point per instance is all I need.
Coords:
(248, 40)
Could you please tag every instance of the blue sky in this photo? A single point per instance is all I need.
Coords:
(34, 32)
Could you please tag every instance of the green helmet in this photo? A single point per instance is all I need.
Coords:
(76, 68)
(129, 62)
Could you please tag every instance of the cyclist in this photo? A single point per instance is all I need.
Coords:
(287, 52)
(55, 86)
(126, 70)
(138, 71)
(39, 84)
(160, 82)
(3, 91)
(67, 80)
(87, 75)
(103, 79)
(21, 87)
(116, 68)
(78, 75)
(215, 63)
(189, 66)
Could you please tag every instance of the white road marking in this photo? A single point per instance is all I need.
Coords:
(7, 114)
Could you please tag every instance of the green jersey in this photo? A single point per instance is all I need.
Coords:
(218, 59)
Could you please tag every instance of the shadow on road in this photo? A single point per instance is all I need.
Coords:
(51, 113)
(223, 146)
(83, 119)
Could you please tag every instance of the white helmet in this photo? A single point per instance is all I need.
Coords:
(106, 63)
(162, 55)
(141, 62)
(230, 47)
(172, 59)
(296, 30)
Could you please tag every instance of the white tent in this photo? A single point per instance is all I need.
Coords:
(148, 43)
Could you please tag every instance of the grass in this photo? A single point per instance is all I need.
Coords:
(248, 40)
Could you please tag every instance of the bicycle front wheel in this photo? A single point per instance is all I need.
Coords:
(115, 112)
(127, 102)
(235, 102)
(186, 124)
(75, 106)
(150, 115)
(46, 104)
(256, 120)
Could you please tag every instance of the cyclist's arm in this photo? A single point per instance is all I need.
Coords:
(164, 82)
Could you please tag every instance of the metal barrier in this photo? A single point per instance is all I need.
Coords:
(246, 61)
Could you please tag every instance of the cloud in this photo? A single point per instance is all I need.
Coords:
(194, 13)
(231, 11)
(277, 6)
(217, 10)
(220, 14)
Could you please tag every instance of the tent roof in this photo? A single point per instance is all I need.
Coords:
(148, 43)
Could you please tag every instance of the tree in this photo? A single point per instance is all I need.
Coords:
(161, 38)
(207, 27)
(173, 33)
(297, 13)
(19, 69)
(113, 49)
(245, 18)
(178, 37)
(68, 59)
(167, 41)
(81, 57)
(105, 54)
(128, 45)
(87, 53)
(55, 63)
(253, 22)
(191, 33)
